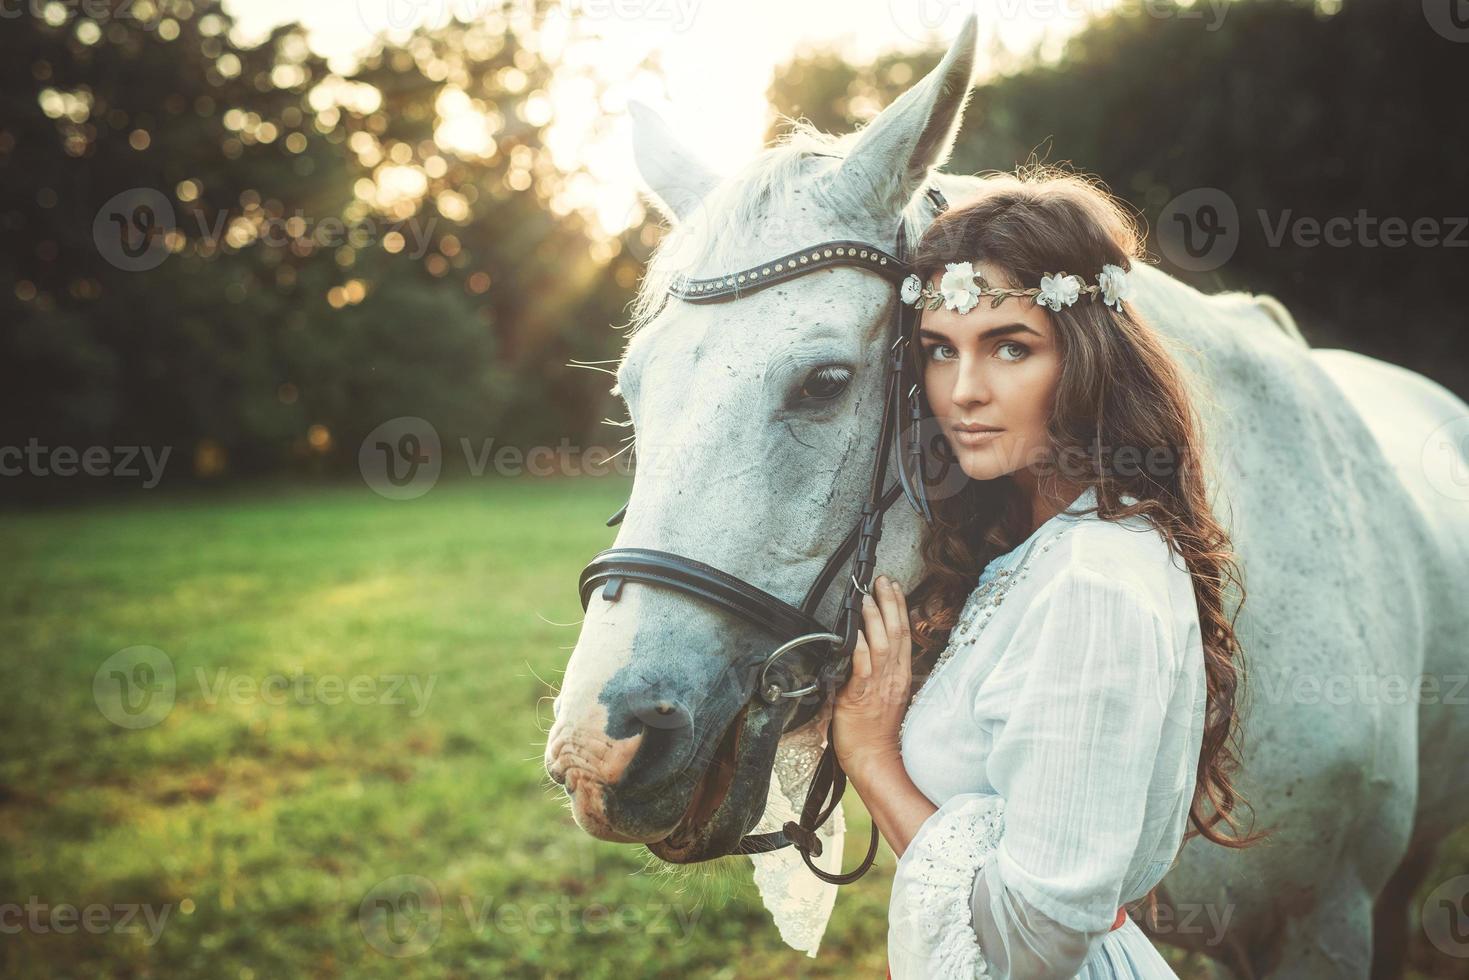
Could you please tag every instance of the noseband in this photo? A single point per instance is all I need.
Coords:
(796, 626)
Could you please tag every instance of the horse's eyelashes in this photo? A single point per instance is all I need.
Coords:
(826, 382)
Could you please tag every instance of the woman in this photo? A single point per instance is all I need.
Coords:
(1078, 714)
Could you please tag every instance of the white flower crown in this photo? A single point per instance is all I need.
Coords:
(961, 287)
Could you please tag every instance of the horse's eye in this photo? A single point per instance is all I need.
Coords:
(826, 382)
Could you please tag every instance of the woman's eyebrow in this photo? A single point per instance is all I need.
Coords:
(1008, 328)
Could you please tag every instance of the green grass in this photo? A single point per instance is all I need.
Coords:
(262, 827)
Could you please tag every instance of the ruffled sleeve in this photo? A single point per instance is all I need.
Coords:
(1023, 882)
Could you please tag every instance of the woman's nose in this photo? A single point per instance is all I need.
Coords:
(970, 385)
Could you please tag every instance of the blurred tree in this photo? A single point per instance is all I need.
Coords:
(232, 251)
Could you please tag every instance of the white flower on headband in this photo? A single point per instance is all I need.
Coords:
(1115, 287)
(911, 289)
(1058, 291)
(958, 287)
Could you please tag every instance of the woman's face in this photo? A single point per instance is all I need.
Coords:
(991, 376)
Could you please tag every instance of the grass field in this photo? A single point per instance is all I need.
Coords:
(358, 696)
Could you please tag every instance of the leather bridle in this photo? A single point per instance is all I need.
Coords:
(797, 626)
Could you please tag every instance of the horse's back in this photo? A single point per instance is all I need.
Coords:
(1422, 429)
(1331, 549)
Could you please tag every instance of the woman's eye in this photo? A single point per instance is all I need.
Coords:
(941, 352)
(826, 382)
(1020, 350)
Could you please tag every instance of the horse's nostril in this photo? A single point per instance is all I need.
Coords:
(658, 711)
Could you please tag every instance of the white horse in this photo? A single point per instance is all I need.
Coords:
(1329, 470)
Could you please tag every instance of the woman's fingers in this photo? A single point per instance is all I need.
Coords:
(905, 643)
(887, 599)
(861, 657)
(876, 631)
(855, 689)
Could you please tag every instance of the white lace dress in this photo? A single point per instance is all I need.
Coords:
(1059, 737)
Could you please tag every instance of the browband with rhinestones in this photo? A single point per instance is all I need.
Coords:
(755, 278)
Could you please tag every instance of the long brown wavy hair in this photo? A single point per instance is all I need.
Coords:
(1119, 387)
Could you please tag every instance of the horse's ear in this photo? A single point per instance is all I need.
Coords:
(676, 178)
(892, 157)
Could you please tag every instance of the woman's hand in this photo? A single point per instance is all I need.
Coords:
(870, 706)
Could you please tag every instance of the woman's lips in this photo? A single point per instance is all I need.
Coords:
(968, 437)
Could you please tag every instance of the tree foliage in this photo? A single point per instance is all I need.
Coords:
(327, 264)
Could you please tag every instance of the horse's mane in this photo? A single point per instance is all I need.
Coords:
(736, 205)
